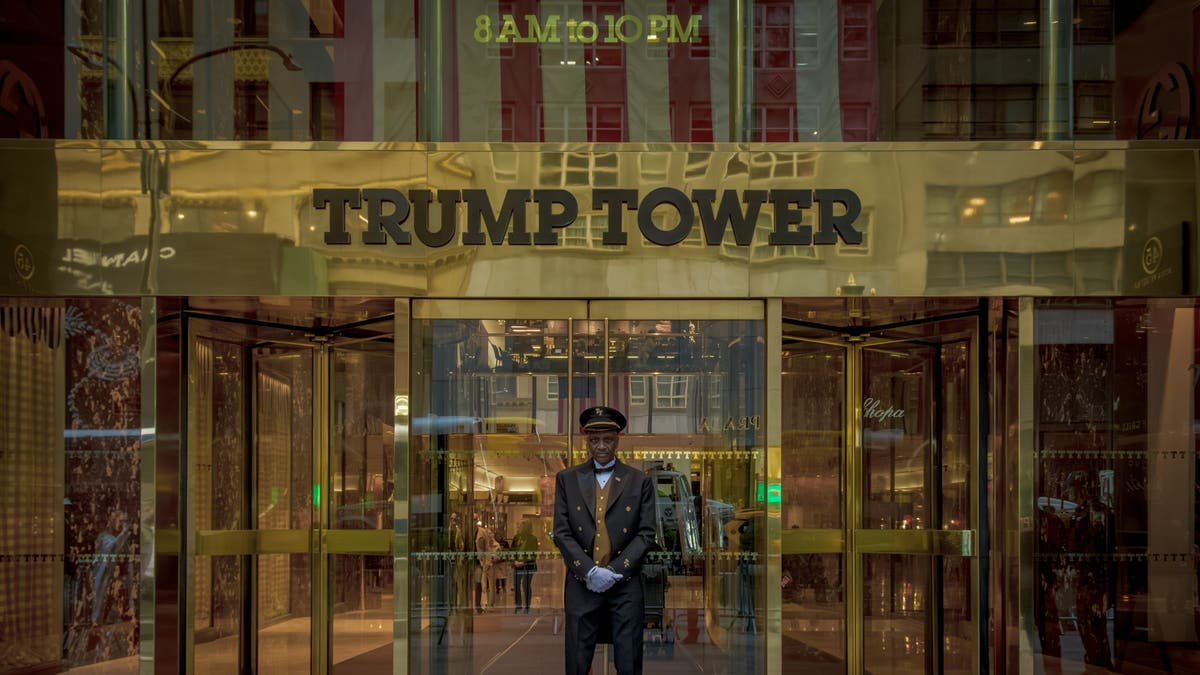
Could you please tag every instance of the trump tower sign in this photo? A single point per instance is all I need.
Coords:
(394, 217)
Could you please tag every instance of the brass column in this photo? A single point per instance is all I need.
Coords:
(402, 428)
(436, 38)
(322, 625)
(741, 71)
(774, 479)
(1026, 475)
(147, 591)
(1057, 96)
(852, 520)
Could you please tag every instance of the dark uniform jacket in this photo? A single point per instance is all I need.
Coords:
(630, 518)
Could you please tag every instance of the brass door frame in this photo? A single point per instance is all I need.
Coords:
(853, 540)
(320, 540)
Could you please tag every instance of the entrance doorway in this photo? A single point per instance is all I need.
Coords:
(881, 487)
(497, 392)
(286, 476)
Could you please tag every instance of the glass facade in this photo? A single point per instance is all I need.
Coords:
(964, 444)
(602, 71)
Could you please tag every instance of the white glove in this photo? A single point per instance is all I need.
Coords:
(600, 579)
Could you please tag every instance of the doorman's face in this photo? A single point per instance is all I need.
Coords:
(602, 445)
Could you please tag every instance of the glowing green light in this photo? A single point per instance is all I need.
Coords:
(772, 495)
(317, 495)
(274, 496)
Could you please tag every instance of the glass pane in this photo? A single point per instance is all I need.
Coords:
(692, 392)
(1116, 489)
(219, 613)
(959, 623)
(284, 462)
(814, 614)
(285, 612)
(490, 414)
(217, 444)
(362, 444)
(897, 412)
(896, 614)
(956, 436)
(814, 394)
(362, 616)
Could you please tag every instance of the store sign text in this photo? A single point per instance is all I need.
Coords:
(743, 423)
(392, 216)
(874, 410)
(609, 29)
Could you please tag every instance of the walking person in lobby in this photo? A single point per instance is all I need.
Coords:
(525, 546)
(603, 526)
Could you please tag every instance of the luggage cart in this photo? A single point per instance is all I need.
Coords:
(658, 635)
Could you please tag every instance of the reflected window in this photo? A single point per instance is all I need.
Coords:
(325, 111)
(250, 18)
(1093, 22)
(1094, 112)
(1099, 195)
(637, 390)
(670, 391)
(175, 18)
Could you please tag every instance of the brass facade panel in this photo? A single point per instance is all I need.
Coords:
(226, 542)
(1040, 218)
(166, 542)
(675, 310)
(813, 541)
(916, 542)
(369, 542)
(283, 541)
(474, 309)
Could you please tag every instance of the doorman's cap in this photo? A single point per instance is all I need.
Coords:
(601, 418)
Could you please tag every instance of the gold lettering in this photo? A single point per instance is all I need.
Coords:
(539, 33)
(658, 26)
(679, 34)
(508, 30)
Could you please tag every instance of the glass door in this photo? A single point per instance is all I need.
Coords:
(286, 547)
(497, 392)
(879, 469)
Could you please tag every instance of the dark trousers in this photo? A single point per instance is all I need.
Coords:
(523, 581)
(591, 617)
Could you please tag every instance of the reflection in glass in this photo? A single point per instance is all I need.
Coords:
(361, 458)
(70, 419)
(1116, 493)
(218, 613)
(283, 464)
(487, 580)
(895, 613)
(814, 614)
(362, 616)
(817, 73)
(897, 415)
(285, 615)
(217, 438)
(814, 381)
(958, 619)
